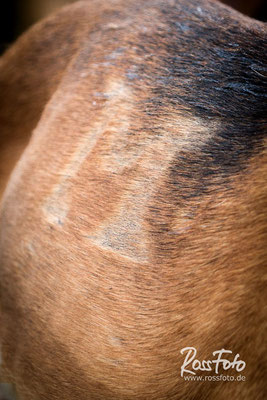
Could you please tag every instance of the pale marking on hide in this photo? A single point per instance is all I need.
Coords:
(107, 360)
(57, 205)
(116, 341)
(30, 248)
(125, 232)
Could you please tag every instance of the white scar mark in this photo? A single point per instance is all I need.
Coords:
(57, 204)
(125, 232)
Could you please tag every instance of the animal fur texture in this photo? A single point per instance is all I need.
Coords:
(134, 222)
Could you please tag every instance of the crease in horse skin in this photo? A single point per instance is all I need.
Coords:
(56, 206)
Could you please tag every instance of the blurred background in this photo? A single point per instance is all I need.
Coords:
(7, 392)
(17, 15)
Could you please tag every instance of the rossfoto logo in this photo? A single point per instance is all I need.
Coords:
(223, 360)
